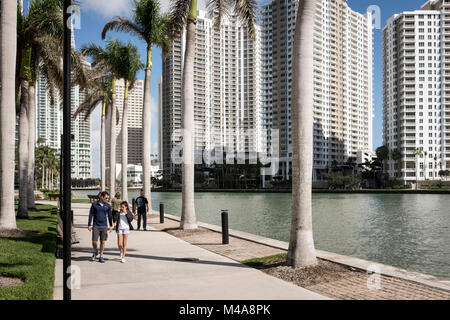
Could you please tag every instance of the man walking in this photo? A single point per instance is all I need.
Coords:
(142, 208)
(100, 214)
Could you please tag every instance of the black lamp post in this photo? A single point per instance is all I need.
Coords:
(66, 151)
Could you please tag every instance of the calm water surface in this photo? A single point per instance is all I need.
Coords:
(405, 230)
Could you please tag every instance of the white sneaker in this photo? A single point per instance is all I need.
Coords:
(123, 260)
(121, 256)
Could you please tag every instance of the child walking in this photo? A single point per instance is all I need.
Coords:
(123, 219)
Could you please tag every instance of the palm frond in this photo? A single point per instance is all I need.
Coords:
(218, 9)
(80, 68)
(129, 62)
(96, 52)
(246, 10)
(120, 24)
(160, 34)
(50, 64)
(146, 14)
(179, 16)
(87, 107)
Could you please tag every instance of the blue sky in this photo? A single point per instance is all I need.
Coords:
(95, 13)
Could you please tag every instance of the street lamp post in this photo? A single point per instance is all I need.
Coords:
(66, 150)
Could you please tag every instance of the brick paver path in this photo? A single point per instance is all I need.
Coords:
(353, 287)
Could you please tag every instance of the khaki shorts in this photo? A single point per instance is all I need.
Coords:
(101, 232)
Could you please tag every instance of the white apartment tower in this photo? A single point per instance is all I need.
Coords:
(49, 124)
(135, 104)
(343, 97)
(227, 96)
(49, 127)
(416, 83)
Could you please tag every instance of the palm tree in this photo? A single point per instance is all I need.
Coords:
(40, 37)
(47, 166)
(301, 245)
(8, 28)
(383, 155)
(184, 16)
(397, 156)
(417, 152)
(98, 93)
(39, 28)
(148, 25)
(109, 61)
(129, 67)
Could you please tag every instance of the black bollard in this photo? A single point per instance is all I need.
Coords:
(225, 234)
(132, 204)
(161, 213)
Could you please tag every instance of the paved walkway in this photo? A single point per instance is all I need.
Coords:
(155, 269)
(395, 284)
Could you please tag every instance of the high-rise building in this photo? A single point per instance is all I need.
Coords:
(160, 123)
(135, 104)
(343, 62)
(49, 126)
(416, 99)
(48, 116)
(81, 145)
(227, 98)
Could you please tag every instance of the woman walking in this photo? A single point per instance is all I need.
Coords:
(123, 219)
(115, 203)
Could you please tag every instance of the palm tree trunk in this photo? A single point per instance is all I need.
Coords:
(188, 218)
(113, 138)
(301, 245)
(146, 130)
(23, 152)
(47, 186)
(42, 174)
(103, 148)
(125, 144)
(8, 31)
(31, 144)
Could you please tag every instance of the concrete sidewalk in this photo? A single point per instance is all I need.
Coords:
(158, 267)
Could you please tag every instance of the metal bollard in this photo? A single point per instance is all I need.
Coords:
(225, 234)
(161, 213)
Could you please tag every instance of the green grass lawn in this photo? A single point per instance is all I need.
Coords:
(81, 200)
(264, 261)
(31, 259)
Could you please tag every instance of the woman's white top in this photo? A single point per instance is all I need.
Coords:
(123, 224)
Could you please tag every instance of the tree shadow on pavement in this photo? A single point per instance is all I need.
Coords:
(114, 251)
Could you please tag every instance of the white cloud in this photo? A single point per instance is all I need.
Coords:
(107, 8)
(167, 4)
(111, 8)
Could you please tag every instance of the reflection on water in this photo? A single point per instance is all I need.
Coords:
(410, 231)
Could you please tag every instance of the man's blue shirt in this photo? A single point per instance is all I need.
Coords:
(100, 214)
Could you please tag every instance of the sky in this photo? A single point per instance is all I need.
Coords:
(96, 13)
